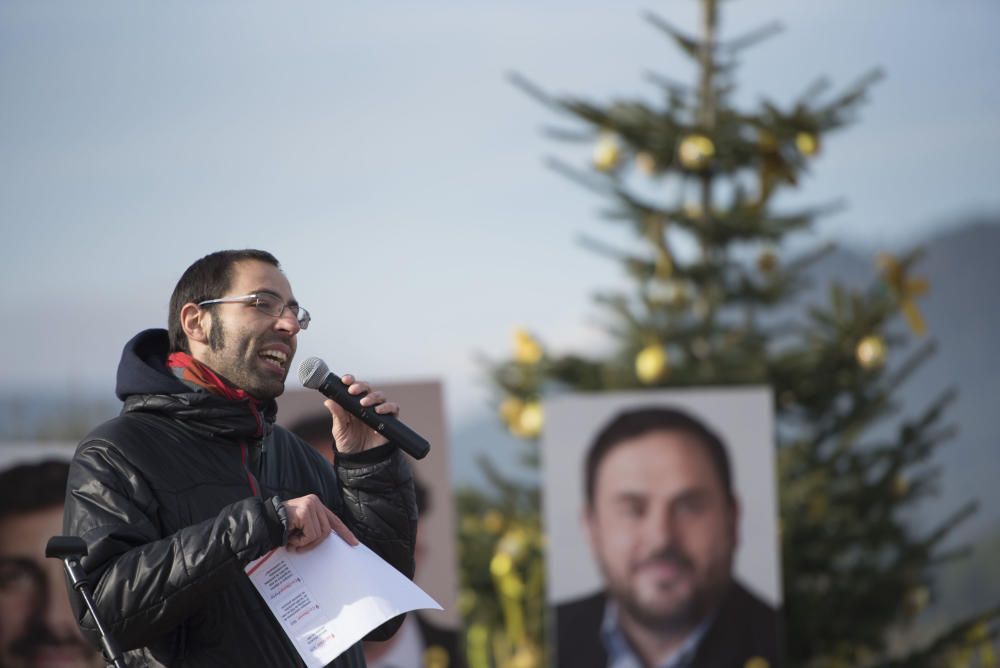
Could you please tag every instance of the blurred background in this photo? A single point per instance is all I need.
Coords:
(380, 151)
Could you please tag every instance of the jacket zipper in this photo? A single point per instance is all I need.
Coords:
(246, 467)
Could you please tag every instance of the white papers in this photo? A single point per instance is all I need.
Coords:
(328, 598)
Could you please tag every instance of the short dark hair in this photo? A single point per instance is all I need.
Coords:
(207, 278)
(634, 423)
(26, 488)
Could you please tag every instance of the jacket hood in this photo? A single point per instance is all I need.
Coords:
(143, 366)
(146, 384)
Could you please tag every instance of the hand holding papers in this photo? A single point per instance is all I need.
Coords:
(328, 598)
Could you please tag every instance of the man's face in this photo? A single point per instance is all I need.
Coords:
(250, 349)
(663, 529)
(37, 627)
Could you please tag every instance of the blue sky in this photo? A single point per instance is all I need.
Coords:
(378, 150)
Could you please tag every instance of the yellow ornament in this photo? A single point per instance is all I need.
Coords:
(501, 564)
(436, 656)
(467, 601)
(978, 633)
(510, 410)
(646, 163)
(651, 364)
(987, 657)
(757, 662)
(526, 349)
(905, 289)
(870, 352)
(493, 521)
(807, 143)
(526, 656)
(607, 152)
(528, 423)
(695, 152)
(767, 261)
(511, 586)
(960, 658)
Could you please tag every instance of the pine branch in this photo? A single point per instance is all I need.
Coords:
(753, 37)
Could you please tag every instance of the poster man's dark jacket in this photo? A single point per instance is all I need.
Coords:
(744, 628)
(178, 493)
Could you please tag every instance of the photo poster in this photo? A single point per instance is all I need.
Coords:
(422, 409)
(742, 417)
(33, 609)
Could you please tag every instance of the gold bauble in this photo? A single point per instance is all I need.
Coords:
(987, 657)
(436, 656)
(978, 633)
(645, 162)
(757, 662)
(526, 656)
(493, 521)
(528, 423)
(651, 364)
(695, 152)
(526, 349)
(767, 261)
(501, 564)
(607, 152)
(511, 586)
(871, 352)
(467, 601)
(514, 542)
(807, 143)
(510, 410)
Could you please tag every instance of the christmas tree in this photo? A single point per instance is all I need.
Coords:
(695, 172)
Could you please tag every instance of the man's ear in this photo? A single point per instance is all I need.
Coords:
(196, 323)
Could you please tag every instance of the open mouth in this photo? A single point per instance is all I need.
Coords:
(277, 359)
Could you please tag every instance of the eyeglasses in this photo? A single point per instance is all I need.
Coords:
(266, 303)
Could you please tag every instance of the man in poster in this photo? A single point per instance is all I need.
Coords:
(662, 520)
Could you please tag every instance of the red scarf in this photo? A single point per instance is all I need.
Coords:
(192, 371)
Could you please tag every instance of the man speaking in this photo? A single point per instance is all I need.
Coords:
(194, 480)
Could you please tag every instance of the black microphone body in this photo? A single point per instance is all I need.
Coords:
(316, 375)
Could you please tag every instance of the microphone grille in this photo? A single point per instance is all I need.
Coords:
(312, 372)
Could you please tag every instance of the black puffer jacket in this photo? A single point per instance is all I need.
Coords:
(176, 495)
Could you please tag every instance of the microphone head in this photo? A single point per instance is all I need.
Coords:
(312, 372)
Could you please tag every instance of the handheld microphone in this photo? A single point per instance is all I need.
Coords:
(316, 375)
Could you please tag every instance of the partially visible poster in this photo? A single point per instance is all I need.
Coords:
(37, 627)
(431, 635)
